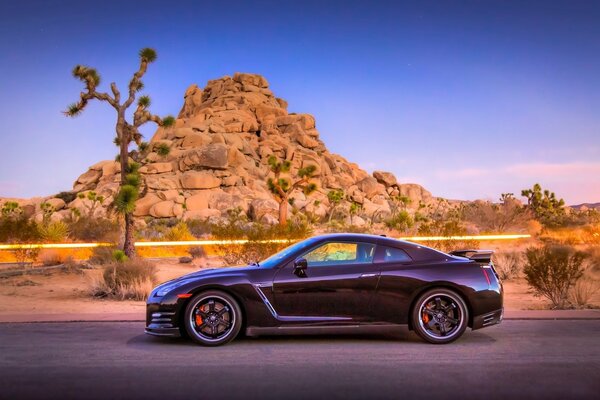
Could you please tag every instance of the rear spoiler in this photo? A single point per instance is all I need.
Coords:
(480, 256)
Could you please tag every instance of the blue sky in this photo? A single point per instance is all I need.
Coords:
(470, 99)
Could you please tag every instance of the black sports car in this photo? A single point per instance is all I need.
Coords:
(333, 283)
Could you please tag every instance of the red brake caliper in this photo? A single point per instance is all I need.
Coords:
(198, 319)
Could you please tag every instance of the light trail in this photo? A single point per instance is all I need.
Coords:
(242, 241)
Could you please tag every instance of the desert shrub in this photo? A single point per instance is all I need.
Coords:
(50, 257)
(26, 255)
(131, 279)
(582, 291)
(552, 269)
(67, 197)
(178, 233)
(197, 252)
(18, 229)
(401, 221)
(102, 255)
(95, 230)
(119, 256)
(508, 264)
(507, 215)
(156, 229)
(163, 149)
(54, 232)
(199, 228)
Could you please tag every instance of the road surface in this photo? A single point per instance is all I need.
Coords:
(103, 360)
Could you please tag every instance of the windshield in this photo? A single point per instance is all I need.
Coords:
(276, 258)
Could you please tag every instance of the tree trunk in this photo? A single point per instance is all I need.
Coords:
(283, 212)
(128, 244)
(128, 240)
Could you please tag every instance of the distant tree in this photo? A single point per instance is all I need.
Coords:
(355, 208)
(127, 132)
(508, 214)
(548, 209)
(94, 201)
(399, 203)
(282, 187)
(334, 196)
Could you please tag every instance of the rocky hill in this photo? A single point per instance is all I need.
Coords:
(219, 147)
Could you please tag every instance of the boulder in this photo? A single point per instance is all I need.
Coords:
(163, 209)
(157, 168)
(143, 205)
(209, 156)
(56, 203)
(91, 176)
(199, 180)
(370, 187)
(111, 168)
(162, 182)
(224, 202)
(251, 79)
(196, 140)
(385, 178)
(198, 201)
(261, 207)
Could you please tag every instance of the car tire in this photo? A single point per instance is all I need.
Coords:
(440, 316)
(212, 318)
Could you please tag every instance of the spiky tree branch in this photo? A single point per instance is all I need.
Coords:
(126, 132)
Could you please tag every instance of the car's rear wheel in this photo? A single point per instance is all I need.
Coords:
(212, 318)
(440, 316)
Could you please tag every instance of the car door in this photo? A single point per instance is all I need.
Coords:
(338, 284)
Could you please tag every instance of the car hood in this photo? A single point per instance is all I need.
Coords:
(224, 271)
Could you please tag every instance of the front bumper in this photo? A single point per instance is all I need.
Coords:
(488, 319)
(161, 322)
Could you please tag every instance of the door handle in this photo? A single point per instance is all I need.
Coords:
(367, 275)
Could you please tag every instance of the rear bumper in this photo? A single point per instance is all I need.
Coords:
(488, 319)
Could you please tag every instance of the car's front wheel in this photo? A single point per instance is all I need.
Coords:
(213, 318)
(440, 316)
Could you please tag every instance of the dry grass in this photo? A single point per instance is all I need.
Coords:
(581, 293)
(129, 280)
(508, 264)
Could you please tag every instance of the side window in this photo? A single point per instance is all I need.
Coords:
(392, 254)
(338, 253)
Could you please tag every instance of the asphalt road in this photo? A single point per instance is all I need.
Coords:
(517, 359)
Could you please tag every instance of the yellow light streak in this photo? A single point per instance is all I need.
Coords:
(242, 241)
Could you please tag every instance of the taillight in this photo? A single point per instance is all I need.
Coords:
(485, 269)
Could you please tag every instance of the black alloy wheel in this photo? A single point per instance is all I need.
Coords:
(440, 316)
(213, 318)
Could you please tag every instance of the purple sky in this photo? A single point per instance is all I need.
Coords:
(470, 99)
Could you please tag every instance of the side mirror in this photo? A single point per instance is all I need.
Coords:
(300, 266)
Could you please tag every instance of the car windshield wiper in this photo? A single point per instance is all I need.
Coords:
(255, 263)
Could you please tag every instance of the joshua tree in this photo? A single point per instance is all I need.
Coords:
(547, 208)
(127, 132)
(334, 196)
(94, 201)
(282, 188)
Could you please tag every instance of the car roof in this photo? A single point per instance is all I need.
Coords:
(416, 251)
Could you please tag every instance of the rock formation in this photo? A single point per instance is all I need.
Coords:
(219, 147)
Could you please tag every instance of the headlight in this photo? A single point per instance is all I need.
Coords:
(166, 288)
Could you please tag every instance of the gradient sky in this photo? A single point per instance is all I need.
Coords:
(470, 99)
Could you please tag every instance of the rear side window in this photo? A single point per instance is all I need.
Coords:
(392, 254)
